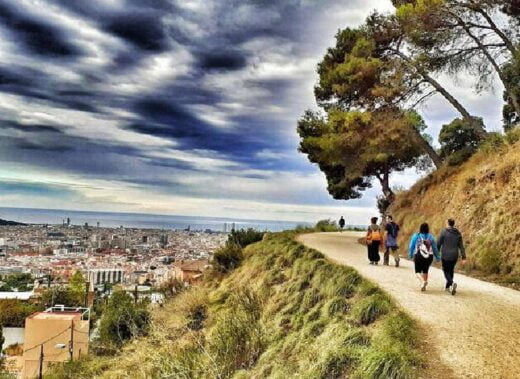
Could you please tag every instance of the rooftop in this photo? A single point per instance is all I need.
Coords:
(68, 316)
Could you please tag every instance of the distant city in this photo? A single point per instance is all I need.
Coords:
(139, 220)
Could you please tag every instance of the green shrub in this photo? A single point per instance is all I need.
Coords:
(326, 226)
(458, 141)
(513, 136)
(244, 237)
(228, 257)
(490, 261)
(123, 320)
(492, 143)
(460, 156)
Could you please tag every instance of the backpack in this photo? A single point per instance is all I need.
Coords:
(375, 235)
(424, 247)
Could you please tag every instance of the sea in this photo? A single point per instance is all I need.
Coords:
(140, 220)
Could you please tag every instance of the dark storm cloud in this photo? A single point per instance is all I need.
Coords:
(146, 91)
(39, 37)
(35, 128)
(142, 30)
(39, 147)
(222, 61)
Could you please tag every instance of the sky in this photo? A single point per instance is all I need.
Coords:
(184, 107)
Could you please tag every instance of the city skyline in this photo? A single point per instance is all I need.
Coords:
(194, 114)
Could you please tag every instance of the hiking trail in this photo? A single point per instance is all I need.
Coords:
(476, 333)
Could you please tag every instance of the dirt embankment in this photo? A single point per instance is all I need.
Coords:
(483, 196)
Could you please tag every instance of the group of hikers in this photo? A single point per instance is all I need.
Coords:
(422, 248)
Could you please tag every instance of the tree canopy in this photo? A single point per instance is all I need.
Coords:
(371, 82)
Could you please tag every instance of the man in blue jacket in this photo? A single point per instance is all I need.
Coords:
(450, 245)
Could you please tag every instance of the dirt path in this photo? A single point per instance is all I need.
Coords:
(476, 332)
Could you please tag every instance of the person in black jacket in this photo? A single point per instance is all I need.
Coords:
(341, 223)
(450, 245)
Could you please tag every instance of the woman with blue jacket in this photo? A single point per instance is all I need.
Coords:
(422, 249)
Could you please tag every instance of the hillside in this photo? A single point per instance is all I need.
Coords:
(10, 223)
(286, 311)
(483, 196)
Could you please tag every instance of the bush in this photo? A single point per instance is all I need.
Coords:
(492, 143)
(244, 237)
(123, 320)
(490, 261)
(326, 226)
(13, 312)
(513, 136)
(459, 157)
(458, 141)
(228, 257)
(17, 282)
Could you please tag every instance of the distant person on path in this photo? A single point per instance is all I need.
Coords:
(450, 244)
(392, 231)
(422, 249)
(341, 223)
(374, 237)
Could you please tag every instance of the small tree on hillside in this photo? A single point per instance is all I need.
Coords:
(123, 320)
(458, 141)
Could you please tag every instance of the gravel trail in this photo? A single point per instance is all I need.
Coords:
(475, 334)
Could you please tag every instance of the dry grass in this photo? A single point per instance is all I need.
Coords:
(285, 312)
(483, 196)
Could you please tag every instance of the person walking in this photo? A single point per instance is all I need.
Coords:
(422, 249)
(373, 238)
(341, 223)
(392, 231)
(450, 245)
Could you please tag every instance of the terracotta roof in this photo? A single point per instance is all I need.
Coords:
(199, 265)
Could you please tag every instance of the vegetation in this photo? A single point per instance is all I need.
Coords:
(2, 339)
(482, 196)
(17, 282)
(284, 312)
(230, 255)
(458, 141)
(122, 320)
(13, 312)
(372, 81)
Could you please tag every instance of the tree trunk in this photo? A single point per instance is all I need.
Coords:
(498, 31)
(510, 92)
(426, 148)
(472, 121)
(385, 186)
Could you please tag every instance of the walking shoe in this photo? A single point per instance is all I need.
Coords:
(423, 286)
(454, 289)
(397, 262)
(448, 289)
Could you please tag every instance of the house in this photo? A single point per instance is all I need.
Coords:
(55, 335)
(191, 272)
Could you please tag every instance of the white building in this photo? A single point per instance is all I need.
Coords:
(105, 275)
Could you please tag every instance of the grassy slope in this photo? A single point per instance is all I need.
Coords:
(285, 312)
(483, 195)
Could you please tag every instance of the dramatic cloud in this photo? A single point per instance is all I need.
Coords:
(172, 106)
